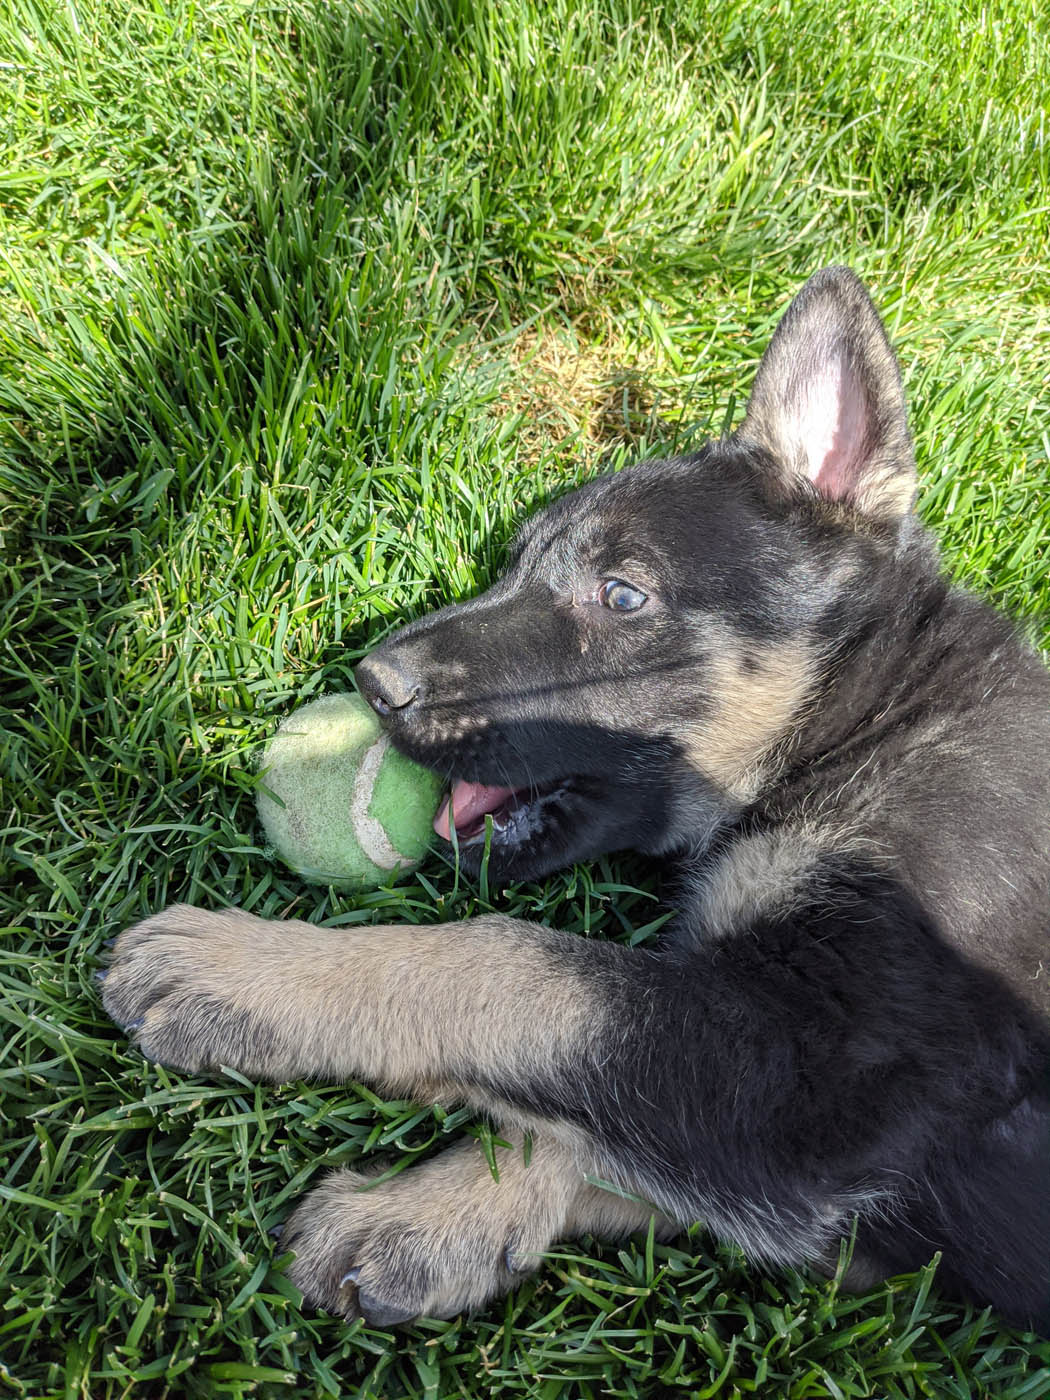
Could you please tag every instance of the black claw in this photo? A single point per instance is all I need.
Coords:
(275, 1232)
(351, 1276)
(133, 1026)
(108, 942)
(102, 974)
(517, 1261)
(379, 1314)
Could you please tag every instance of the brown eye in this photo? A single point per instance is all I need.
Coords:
(620, 596)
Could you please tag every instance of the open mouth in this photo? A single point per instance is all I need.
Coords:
(517, 813)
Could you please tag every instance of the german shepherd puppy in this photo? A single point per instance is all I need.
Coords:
(748, 660)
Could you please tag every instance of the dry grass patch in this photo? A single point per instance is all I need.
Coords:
(568, 387)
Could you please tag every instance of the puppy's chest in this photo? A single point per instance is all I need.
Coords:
(756, 877)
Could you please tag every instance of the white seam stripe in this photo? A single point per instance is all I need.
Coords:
(370, 835)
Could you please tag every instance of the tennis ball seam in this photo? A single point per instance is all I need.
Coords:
(368, 830)
(338, 801)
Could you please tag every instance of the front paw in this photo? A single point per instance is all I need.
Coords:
(399, 1251)
(190, 987)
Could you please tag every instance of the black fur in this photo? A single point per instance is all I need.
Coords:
(841, 1059)
(871, 1040)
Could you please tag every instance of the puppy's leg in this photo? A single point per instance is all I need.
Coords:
(447, 1235)
(476, 1006)
(488, 1010)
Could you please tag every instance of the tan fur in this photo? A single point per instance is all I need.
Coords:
(757, 692)
(887, 493)
(608, 1215)
(401, 1007)
(448, 1235)
(756, 876)
(404, 1008)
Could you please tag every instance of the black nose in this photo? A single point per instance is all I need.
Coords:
(389, 683)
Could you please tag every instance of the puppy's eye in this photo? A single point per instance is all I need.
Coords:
(620, 596)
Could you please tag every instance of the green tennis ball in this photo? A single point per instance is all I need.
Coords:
(346, 808)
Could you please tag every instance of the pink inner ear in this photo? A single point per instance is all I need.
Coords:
(832, 428)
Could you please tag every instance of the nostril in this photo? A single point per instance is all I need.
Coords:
(383, 706)
(389, 685)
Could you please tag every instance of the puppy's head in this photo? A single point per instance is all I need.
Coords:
(659, 633)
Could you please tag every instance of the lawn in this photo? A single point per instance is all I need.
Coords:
(302, 307)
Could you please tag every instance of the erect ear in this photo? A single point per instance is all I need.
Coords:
(827, 401)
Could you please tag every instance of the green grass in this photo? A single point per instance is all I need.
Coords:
(301, 308)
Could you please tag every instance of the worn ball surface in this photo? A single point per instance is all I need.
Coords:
(349, 809)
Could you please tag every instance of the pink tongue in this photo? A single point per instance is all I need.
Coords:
(465, 803)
